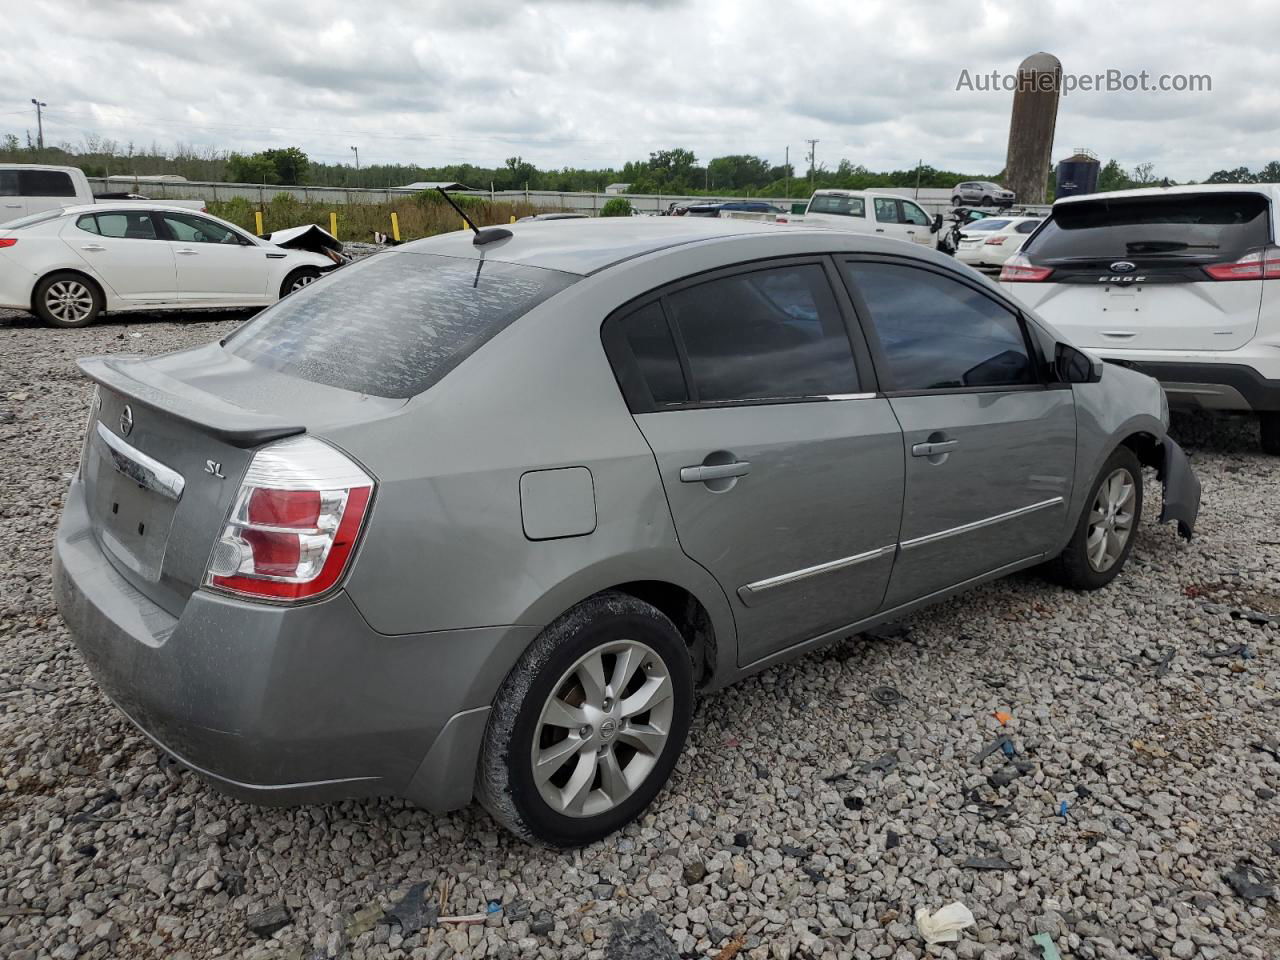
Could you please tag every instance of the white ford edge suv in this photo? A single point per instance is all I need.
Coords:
(1182, 283)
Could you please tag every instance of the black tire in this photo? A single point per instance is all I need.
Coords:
(505, 782)
(297, 279)
(955, 201)
(58, 297)
(1269, 428)
(1072, 568)
(986, 201)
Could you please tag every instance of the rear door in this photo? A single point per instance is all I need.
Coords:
(782, 467)
(1137, 272)
(126, 252)
(12, 204)
(990, 448)
(215, 263)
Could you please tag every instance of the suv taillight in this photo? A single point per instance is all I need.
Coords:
(8, 241)
(1021, 270)
(294, 525)
(1261, 264)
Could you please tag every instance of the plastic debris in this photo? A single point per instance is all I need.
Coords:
(1063, 808)
(730, 949)
(495, 906)
(1248, 882)
(1165, 663)
(1269, 745)
(1001, 742)
(1240, 650)
(1048, 949)
(886, 695)
(945, 925)
(412, 912)
(988, 863)
(271, 920)
(643, 937)
(884, 764)
(891, 840)
(1003, 716)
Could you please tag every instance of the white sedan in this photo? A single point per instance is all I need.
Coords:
(989, 243)
(67, 266)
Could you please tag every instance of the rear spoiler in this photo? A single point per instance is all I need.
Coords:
(133, 378)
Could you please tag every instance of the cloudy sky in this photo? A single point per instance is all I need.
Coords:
(598, 82)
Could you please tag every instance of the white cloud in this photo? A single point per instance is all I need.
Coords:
(600, 82)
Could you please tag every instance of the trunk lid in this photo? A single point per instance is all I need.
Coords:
(168, 444)
(1130, 273)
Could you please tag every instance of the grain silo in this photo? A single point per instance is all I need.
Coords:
(1078, 174)
(1031, 126)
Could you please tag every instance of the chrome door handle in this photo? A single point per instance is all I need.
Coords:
(187, 252)
(14, 206)
(719, 471)
(94, 247)
(933, 449)
(879, 229)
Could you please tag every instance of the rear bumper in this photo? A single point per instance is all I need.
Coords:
(1210, 386)
(285, 705)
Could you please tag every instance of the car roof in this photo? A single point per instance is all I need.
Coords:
(109, 206)
(1270, 190)
(587, 246)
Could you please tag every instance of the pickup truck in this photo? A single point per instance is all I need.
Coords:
(27, 188)
(864, 211)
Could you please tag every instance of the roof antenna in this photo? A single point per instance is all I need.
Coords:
(487, 235)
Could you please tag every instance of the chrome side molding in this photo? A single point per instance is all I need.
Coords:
(979, 524)
(752, 591)
(145, 471)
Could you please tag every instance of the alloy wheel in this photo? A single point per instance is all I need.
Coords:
(69, 301)
(603, 729)
(302, 281)
(1111, 520)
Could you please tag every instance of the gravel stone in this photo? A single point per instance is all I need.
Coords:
(108, 848)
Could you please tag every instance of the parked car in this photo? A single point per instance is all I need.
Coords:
(552, 216)
(1182, 283)
(69, 265)
(27, 188)
(376, 541)
(982, 192)
(718, 208)
(863, 211)
(990, 242)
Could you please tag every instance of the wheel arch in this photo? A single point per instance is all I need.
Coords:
(104, 293)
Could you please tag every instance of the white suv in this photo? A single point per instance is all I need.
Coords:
(1182, 283)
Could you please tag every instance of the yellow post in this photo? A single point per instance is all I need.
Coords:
(395, 227)
(464, 226)
(257, 220)
(513, 219)
(333, 223)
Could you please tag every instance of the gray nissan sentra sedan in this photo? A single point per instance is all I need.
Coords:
(478, 517)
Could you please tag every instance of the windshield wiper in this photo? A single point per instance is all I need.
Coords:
(1165, 246)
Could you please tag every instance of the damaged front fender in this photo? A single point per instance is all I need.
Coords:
(1181, 489)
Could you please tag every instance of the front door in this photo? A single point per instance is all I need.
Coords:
(990, 448)
(126, 253)
(214, 262)
(12, 204)
(782, 468)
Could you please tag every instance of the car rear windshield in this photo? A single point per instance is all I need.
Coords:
(840, 206)
(1216, 226)
(393, 325)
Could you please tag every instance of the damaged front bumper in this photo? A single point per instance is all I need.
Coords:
(1181, 489)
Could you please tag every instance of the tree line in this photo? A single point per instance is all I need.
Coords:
(676, 171)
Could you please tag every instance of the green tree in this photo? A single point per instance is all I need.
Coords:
(1112, 176)
(286, 165)
(1238, 175)
(616, 207)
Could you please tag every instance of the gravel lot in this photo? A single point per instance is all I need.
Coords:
(806, 820)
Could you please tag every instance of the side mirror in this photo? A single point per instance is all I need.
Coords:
(1071, 365)
(937, 223)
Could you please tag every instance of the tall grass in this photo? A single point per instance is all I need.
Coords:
(422, 215)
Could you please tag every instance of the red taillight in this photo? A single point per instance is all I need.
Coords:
(995, 241)
(1256, 265)
(8, 241)
(294, 525)
(1021, 270)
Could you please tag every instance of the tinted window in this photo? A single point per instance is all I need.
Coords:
(1027, 226)
(129, 226)
(648, 340)
(938, 333)
(87, 223)
(840, 206)
(8, 183)
(189, 229)
(1214, 227)
(394, 324)
(887, 210)
(986, 225)
(46, 183)
(767, 334)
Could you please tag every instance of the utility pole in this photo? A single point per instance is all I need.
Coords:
(813, 153)
(919, 163)
(786, 165)
(356, 151)
(39, 122)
